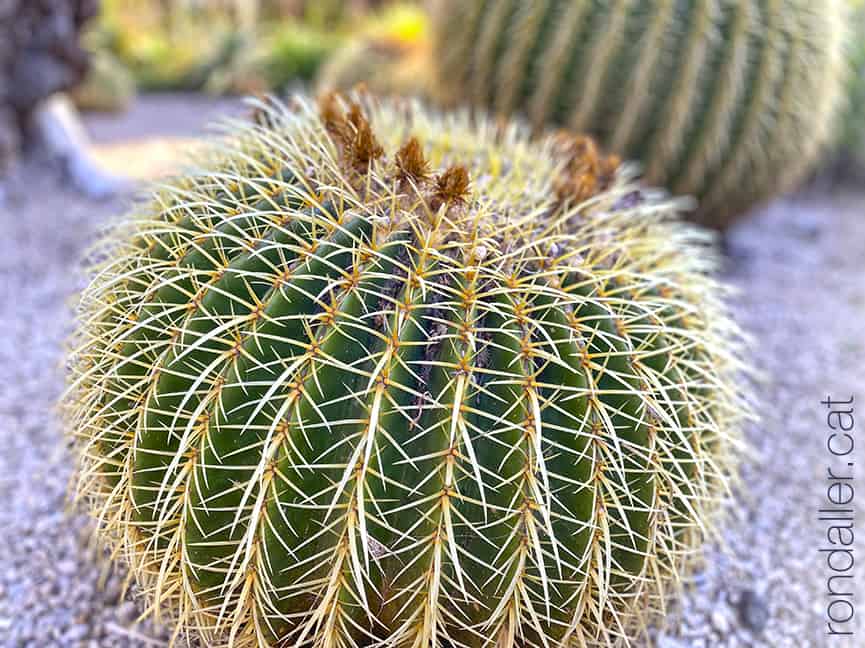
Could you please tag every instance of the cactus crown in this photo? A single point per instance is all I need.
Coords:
(379, 376)
(731, 102)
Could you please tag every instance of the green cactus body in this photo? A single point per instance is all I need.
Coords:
(731, 101)
(374, 375)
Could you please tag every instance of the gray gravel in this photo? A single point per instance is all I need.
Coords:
(54, 591)
(800, 265)
(800, 268)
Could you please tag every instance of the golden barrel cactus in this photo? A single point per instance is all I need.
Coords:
(377, 376)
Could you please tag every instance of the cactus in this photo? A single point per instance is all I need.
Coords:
(375, 374)
(853, 132)
(730, 101)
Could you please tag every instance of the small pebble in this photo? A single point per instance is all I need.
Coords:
(720, 622)
(753, 611)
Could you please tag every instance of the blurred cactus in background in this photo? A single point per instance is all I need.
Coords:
(378, 375)
(383, 67)
(730, 101)
(389, 54)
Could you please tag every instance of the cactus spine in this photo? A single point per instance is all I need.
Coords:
(381, 377)
(731, 101)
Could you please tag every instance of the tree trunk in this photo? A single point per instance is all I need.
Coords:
(40, 55)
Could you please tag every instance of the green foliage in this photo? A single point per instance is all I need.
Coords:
(853, 134)
(109, 85)
(187, 48)
(267, 47)
(387, 68)
(377, 373)
(388, 55)
(324, 14)
(282, 55)
(731, 101)
(170, 49)
(295, 52)
(158, 61)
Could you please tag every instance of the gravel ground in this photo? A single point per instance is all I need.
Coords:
(800, 265)
(800, 268)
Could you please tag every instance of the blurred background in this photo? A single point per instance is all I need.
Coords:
(146, 73)
(96, 98)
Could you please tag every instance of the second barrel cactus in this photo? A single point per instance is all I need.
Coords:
(380, 377)
(853, 133)
(385, 67)
(731, 101)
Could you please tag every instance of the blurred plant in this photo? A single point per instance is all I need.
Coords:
(235, 46)
(272, 59)
(383, 67)
(392, 35)
(389, 54)
(853, 134)
(295, 51)
(41, 53)
(109, 85)
(167, 46)
(403, 23)
(731, 102)
(323, 14)
(292, 51)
